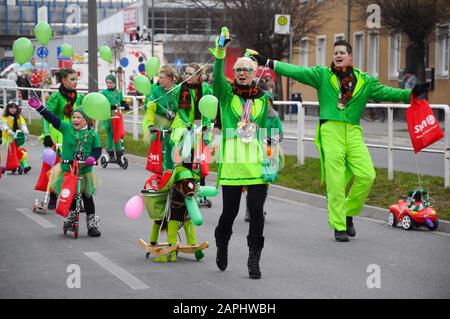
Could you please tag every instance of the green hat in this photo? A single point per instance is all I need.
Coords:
(269, 95)
(81, 111)
(111, 77)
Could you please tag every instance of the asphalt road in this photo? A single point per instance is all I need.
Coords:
(300, 258)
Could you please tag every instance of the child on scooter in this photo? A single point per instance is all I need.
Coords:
(15, 130)
(80, 142)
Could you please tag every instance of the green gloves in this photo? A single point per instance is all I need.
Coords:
(221, 43)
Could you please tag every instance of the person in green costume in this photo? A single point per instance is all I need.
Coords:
(243, 115)
(188, 96)
(161, 110)
(343, 92)
(80, 142)
(62, 104)
(115, 99)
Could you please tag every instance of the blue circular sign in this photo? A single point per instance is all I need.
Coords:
(42, 52)
(124, 62)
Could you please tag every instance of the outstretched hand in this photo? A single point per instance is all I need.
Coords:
(221, 43)
(34, 102)
(420, 89)
(261, 59)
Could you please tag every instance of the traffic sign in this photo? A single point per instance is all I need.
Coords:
(42, 52)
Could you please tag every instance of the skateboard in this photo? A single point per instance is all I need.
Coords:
(159, 249)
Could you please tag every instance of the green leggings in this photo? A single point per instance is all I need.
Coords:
(110, 137)
(345, 155)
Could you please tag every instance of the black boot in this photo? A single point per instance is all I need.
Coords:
(351, 231)
(93, 223)
(52, 201)
(341, 235)
(111, 155)
(119, 155)
(255, 246)
(222, 249)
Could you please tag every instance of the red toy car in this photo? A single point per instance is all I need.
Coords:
(416, 211)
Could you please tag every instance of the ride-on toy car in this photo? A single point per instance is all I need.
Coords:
(416, 211)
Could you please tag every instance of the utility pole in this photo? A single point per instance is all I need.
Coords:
(92, 46)
(153, 27)
(347, 20)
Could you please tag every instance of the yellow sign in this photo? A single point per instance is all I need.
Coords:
(282, 24)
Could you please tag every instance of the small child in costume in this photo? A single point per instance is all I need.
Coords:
(80, 142)
(15, 130)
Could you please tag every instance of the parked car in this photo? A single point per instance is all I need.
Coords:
(12, 93)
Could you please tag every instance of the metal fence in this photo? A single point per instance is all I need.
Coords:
(390, 147)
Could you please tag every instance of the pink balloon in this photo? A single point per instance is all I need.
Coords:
(134, 207)
(49, 156)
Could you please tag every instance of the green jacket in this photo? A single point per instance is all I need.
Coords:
(74, 141)
(185, 117)
(165, 102)
(114, 97)
(240, 163)
(326, 83)
(56, 104)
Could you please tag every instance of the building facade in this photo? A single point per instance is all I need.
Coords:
(379, 52)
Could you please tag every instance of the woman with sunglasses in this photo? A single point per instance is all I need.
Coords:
(15, 132)
(61, 103)
(243, 114)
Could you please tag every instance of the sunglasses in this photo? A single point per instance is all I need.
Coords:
(73, 79)
(245, 70)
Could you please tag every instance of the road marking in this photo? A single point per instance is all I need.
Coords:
(38, 219)
(117, 271)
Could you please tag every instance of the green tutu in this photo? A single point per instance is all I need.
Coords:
(89, 181)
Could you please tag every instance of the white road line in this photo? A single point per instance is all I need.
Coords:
(117, 271)
(38, 219)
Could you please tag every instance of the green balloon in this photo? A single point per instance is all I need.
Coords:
(207, 191)
(193, 211)
(96, 106)
(142, 84)
(23, 50)
(152, 67)
(43, 32)
(105, 53)
(208, 106)
(66, 50)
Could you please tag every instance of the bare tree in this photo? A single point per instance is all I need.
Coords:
(416, 18)
(252, 22)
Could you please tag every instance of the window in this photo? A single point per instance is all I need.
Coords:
(374, 45)
(304, 52)
(358, 50)
(339, 36)
(321, 50)
(394, 55)
(442, 55)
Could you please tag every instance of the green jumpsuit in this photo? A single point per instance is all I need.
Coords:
(339, 137)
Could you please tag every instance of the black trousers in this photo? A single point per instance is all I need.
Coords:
(255, 202)
(88, 203)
